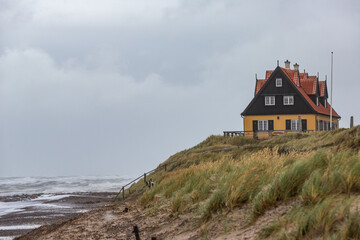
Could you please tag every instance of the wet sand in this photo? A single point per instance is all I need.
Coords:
(52, 211)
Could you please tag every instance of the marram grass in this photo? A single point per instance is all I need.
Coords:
(319, 172)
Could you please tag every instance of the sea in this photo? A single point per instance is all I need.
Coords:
(30, 202)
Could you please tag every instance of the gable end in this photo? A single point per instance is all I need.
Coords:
(257, 105)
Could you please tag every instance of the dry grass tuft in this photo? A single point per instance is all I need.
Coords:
(315, 170)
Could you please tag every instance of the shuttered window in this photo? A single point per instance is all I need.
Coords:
(292, 124)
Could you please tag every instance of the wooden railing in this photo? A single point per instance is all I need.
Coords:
(122, 190)
(256, 134)
(164, 167)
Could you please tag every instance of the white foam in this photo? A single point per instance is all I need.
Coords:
(7, 238)
(50, 197)
(16, 227)
(39, 202)
(52, 189)
(32, 185)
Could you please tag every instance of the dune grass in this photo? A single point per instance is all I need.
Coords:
(318, 171)
(332, 218)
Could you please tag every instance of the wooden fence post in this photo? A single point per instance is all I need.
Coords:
(123, 192)
(351, 121)
(165, 167)
(145, 178)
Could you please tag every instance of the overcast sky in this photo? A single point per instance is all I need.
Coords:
(117, 86)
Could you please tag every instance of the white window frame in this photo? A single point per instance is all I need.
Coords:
(288, 100)
(326, 125)
(269, 100)
(294, 124)
(278, 82)
(263, 125)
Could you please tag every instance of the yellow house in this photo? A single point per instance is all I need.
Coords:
(289, 101)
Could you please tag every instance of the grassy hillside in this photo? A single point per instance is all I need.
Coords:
(317, 175)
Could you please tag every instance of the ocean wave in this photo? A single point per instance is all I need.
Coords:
(71, 184)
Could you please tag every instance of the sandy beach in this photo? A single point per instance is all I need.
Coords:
(117, 221)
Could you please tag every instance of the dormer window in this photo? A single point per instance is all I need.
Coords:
(325, 103)
(317, 101)
(278, 82)
(269, 100)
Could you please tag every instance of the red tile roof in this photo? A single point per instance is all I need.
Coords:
(308, 86)
(322, 88)
(259, 84)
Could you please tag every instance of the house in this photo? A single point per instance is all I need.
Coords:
(288, 101)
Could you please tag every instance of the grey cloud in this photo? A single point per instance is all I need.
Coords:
(91, 87)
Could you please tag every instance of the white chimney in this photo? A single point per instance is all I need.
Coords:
(287, 64)
(296, 66)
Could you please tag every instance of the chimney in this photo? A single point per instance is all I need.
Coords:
(287, 64)
(296, 66)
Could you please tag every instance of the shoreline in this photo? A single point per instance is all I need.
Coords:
(117, 221)
(30, 211)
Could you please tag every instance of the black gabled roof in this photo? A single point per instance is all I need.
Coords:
(301, 92)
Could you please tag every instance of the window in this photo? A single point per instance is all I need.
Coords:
(294, 124)
(325, 103)
(263, 125)
(269, 100)
(278, 82)
(326, 125)
(317, 101)
(288, 100)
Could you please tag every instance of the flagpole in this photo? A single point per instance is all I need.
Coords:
(331, 91)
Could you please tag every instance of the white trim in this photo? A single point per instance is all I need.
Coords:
(288, 100)
(294, 124)
(278, 83)
(269, 100)
(263, 125)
